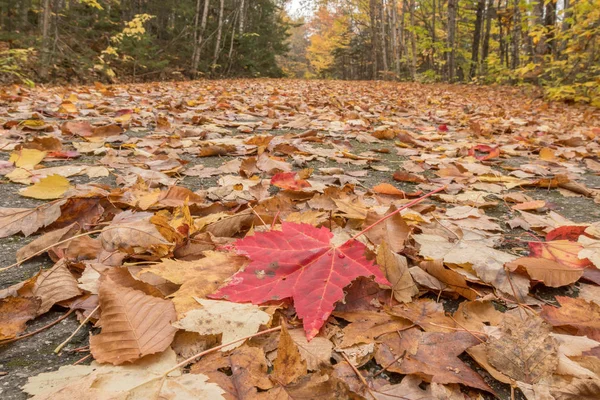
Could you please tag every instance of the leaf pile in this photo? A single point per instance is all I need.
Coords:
(248, 217)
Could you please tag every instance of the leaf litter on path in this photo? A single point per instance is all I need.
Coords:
(305, 206)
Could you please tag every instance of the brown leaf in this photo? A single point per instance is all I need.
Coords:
(28, 220)
(133, 324)
(246, 369)
(45, 241)
(426, 313)
(432, 356)
(317, 353)
(453, 280)
(395, 268)
(14, 314)
(289, 365)
(367, 326)
(524, 351)
(408, 389)
(407, 177)
(552, 273)
(80, 128)
(54, 285)
(197, 278)
(393, 230)
(475, 315)
(129, 231)
(231, 225)
(574, 316)
(312, 386)
(577, 389)
(120, 276)
(387, 189)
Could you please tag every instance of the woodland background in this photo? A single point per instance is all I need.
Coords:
(553, 44)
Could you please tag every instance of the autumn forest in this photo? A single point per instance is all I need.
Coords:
(300, 199)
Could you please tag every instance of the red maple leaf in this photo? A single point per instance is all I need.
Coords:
(288, 181)
(299, 262)
(492, 152)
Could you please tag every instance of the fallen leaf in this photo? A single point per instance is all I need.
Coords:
(552, 273)
(49, 188)
(55, 285)
(523, 350)
(27, 158)
(233, 321)
(197, 278)
(394, 230)
(14, 314)
(288, 181)
(316, 353)
(299, 262)
(432, 356)
(129, 230)
(426, 313)
(453, 280)
(367, 326)
(289, 365)
(395, 268)
(574, 316)
(133, 323)
(141, 380)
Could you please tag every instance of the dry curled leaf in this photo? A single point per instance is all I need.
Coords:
(133, 323)
(524, 350)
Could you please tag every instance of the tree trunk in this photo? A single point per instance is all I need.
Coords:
(383, 36)
(485, 48)
(516, 35)
(200, 38)
(403, 52)
(476, 38)
(550, 23)
(393, 29)
(451, 38)
(433, 39)
(538, 19)
(373, 16)
(242, 15)
(219, 33)
(45, 39)
(413, 42)
(566, 25)
(196, 22)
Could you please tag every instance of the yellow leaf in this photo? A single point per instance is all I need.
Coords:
(547, 154)
(68, 108)
(123, 118)
(51, 187)
(27, 158)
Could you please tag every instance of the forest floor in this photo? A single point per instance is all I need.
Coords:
(514, 167)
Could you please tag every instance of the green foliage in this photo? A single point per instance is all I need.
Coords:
(111, 40)
(11, 61)
(526, 42)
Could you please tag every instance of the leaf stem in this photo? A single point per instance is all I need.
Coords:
(38, 330)
(63, 344)
(404, 207)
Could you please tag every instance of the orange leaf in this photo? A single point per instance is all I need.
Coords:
(552, 273)
(386, 188)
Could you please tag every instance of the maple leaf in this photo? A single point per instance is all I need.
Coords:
(299, 262)
(432, 356)
(288, 181)
(575, 316)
